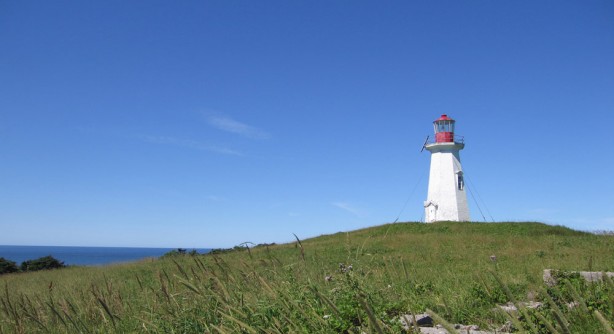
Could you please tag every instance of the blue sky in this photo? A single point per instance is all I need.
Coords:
(212, 123)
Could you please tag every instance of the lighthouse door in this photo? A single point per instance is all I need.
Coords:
(431, 211)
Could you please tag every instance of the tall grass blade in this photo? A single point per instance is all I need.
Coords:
(74, 310)
(562, 321)
(547, 323)
(576, 296)
(243, 325)
(139, 281)
(604, 322)
(108, 311)
(36, 320)
(360, 250)
(370, 315)
(180, 268)
(301, 246)
(10, 309)
(326, 301)
(521, 309)
(515, 322)
(449, 327)
(190, 286)
(507, 291)
(558, 314)
(609, 284)
(57, 314)
(404, 269)
(220, 330)
(249, 252)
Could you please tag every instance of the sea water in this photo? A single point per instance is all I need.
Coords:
(84, 256)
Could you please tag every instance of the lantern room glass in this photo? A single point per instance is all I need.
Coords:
(444, 131)
(444, 126)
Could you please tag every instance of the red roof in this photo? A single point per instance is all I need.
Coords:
(444, 117)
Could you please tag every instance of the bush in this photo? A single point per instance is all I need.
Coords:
(217, 251)
(7, 266)
(180, 252)
(47, 262)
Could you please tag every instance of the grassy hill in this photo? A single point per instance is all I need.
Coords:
(352, 282)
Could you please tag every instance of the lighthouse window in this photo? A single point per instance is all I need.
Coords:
(443, 126)
(461, 182)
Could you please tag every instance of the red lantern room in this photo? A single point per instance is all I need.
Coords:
(444, 129)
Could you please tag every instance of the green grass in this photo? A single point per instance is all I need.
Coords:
(396, 269)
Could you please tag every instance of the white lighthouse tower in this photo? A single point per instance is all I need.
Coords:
(447, 199)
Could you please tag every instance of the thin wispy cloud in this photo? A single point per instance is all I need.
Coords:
(348, 208)
(164, 140)
(233, 126)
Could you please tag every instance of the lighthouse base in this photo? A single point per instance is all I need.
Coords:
(433, 214)
(447, 199)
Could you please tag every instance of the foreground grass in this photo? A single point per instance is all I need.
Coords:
(301, 287)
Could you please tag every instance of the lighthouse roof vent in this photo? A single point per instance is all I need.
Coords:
(444, 117)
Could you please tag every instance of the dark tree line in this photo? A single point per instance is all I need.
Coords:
(43, 263)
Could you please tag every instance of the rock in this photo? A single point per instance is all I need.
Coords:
(441, 330)
(510, 307)
(572, 305)
(467, 328)
(589, 276)
(533, 305)
(595, 276)
(547, 277)
(422, 320)
(433, 330)
(507, 327)
(425, 325)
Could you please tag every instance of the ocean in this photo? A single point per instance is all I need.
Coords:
(84, 256)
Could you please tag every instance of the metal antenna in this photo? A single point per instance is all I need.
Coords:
(425, 142)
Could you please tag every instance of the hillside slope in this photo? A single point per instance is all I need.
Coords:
(345, 282)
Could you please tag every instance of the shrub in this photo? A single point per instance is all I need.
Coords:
(180, 252)
(43, 263)
(7, 266)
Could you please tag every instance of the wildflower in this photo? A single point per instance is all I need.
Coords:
(344, 269)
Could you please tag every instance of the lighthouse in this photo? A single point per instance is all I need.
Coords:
(447, 199)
